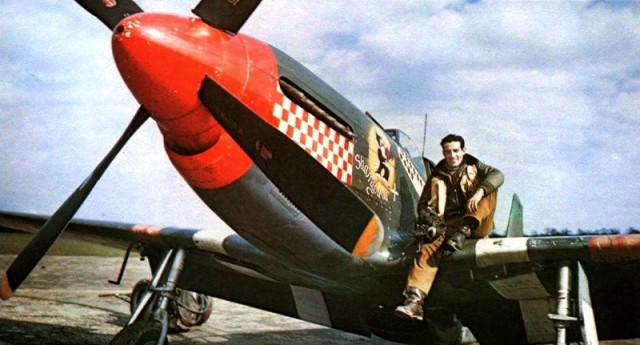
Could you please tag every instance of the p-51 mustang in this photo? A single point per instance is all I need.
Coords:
(323, 200)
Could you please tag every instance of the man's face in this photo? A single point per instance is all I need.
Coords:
(453, 154)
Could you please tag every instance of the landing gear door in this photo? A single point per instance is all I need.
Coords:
(585, 310)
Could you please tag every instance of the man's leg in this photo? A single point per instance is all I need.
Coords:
(476, 224)
(420, 280)
(484, 215)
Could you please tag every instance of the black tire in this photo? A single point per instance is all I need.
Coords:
(194, 301)
(208, 301)
(180, 319)
(140, 333)
(138, 291)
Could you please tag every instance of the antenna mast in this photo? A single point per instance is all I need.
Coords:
(424, 133)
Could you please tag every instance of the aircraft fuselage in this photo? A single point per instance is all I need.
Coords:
(164, 60)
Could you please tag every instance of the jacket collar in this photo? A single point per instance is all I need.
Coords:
(441, 167)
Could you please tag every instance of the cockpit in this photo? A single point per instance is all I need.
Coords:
(410, 147)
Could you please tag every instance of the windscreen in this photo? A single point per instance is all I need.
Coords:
(410, 147)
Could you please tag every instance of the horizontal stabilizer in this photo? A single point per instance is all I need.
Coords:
(329, 203)
(515, 227)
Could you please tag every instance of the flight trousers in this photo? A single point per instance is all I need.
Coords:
(425, 266)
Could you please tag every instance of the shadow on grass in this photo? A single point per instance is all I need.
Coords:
(11, 243)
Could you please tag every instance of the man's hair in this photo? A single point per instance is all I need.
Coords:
(451, 138)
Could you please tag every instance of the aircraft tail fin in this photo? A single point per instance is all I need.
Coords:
(515, 227)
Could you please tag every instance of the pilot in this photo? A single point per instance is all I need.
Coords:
(463, 193)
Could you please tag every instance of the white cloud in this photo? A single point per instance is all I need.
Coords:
(549, 92)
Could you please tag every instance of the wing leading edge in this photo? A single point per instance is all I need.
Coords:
(221, 264)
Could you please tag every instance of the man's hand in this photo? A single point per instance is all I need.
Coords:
(472, 205)
(429, 224)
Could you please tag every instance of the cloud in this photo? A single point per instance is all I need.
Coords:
(549, 92)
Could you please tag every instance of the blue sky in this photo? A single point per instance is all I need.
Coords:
(548, 92)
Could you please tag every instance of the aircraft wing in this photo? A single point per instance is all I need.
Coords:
(517, 281)
(221, 264)
(501, 288)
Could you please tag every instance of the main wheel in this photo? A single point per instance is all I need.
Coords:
(138, 291)
(188, 309)
(140, 333)
(193, 308)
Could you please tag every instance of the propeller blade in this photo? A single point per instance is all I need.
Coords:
(51, 230)
(227, 15)
(110, 12)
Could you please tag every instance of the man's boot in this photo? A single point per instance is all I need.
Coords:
(412, 308)
(457, 239)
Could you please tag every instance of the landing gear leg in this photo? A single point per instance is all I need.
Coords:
(149, 322)
(562, 319)
(167, 291)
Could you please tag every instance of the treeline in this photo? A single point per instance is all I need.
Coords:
(567, 232)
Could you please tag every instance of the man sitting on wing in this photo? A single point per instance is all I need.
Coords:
(463, 192)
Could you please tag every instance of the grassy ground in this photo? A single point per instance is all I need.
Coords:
(11, 243)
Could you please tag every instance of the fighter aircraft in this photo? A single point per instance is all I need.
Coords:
(323, 202)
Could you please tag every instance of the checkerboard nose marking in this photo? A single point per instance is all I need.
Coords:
(331, 149)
